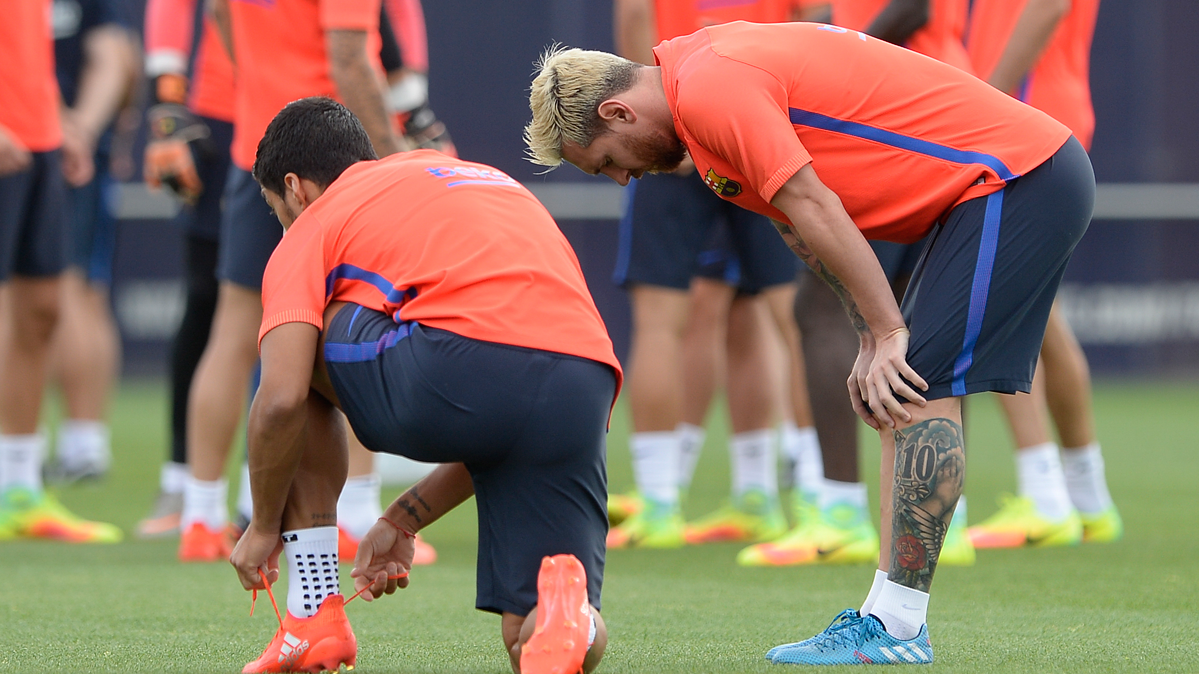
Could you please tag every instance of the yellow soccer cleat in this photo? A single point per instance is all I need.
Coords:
(1104, 527)
(1017, 523)
(623, 506)
(658, 525)
(842, 534)
(25, 513)
(753, 517)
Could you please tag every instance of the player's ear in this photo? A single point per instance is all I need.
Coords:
(615, 110)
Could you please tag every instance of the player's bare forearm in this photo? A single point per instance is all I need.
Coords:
(439, 492)
(1029, 38)
(360, 88)
(106, 80)
(827, 240)
(275, 445)
(219, 11)
(899, 19)
(277, 428)
(930, 467)
(796, 243)
(635, 25)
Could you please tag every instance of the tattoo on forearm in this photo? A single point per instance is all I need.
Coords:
(404, 503)
(800, 247)
(416, 495)
(930, 467)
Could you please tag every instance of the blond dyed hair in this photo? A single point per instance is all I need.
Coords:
(565, 98)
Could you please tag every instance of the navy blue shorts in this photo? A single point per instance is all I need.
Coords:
(530, 426)
(203, 220)
(669, 222)
(92, 227)
(721, 261)
(33, 221)
(980, 295)
(249, 231)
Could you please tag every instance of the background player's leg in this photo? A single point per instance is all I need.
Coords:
(843, 533)
(32, 310)
(186, 350)
(800, 444)
(1041, 513)
(704, 367)
(654, 385)
(755, 371)
(1068, 390)
(86, 353)
(218, 398)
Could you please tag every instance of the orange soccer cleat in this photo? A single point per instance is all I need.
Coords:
(559, 641)
(321, 643)
(201, 544)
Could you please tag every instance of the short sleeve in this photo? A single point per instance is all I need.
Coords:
(293, 286)
(740, 113)
(350, 14)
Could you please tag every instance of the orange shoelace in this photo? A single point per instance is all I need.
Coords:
(274, 605)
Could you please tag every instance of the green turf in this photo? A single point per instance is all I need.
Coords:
(1129, 606)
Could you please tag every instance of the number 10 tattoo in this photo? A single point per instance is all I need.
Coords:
(930, 467)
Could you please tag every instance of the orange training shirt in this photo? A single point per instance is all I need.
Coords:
(683, 17)
(446, 243)
(280, 50)
(28, 87)
(899, 137)
(939, 38)
(1059, 83)
(212, 91)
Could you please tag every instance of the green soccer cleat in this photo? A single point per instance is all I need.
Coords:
(1104, 527)
(658, 525)
(843, 534)
(1018, 524)
(25, 513)
(753, 517)
(623, 506)
(957, 550)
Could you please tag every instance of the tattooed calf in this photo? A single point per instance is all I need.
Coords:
(930, 467)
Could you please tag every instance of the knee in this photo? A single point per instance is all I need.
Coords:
(34, 318)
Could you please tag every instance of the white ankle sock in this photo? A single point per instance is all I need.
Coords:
(656, 465)
(311, 569)
(902, 610)
(245, 497)
(754, 463)
(803, 448)
(358, 506)
(691, 443)
(205, 502)
(84, 442)
(173, 477)
(1085, 479)
(847, 493)
(880, 577)
(1039, 474)
(21, 461)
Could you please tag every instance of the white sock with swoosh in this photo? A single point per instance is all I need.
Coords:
(902, 610)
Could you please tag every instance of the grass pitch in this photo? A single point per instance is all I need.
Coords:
(1128, 606)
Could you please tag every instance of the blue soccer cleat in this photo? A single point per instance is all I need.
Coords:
(847, 615)
(857, 641)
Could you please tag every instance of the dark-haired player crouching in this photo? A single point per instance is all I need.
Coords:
(435, 303)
